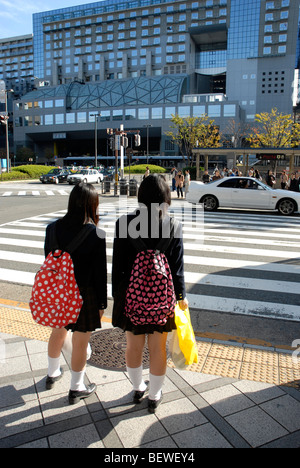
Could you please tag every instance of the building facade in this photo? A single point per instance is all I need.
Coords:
(137, 62)
(16, 64)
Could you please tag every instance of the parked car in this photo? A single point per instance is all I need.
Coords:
(88, 176)
(243, 192)
(55, 176)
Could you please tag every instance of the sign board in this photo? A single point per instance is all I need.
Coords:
(59, 136)
(271, 157)
(117, 142)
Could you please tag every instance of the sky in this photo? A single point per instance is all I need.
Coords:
(16, 15)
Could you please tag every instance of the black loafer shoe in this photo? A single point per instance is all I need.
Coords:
(137, 396)
(50, 381)
(154, 404)
(75, 396)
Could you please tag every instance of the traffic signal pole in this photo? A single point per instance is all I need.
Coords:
(119, 141)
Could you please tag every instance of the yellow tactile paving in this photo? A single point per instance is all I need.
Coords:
(236, 361)
(20, 323)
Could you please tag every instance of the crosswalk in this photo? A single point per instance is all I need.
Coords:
(34, 193)
(235, 262)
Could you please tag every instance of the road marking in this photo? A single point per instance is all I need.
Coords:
(244, 307)
(16, 276)
(21, 257)
(22, 243)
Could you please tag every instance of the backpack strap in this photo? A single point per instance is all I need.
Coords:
(80, 238)
(75, 243)
(163, 244)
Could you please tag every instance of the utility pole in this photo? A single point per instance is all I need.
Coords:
(96, 137)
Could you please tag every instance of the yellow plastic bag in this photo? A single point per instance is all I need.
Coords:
(183, 345)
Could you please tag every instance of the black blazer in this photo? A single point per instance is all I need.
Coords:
(124, 254)
(89, 259)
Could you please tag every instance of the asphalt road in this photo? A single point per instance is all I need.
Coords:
(219, 325)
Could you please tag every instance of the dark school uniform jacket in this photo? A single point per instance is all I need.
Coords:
(89, 259)
(124, 254)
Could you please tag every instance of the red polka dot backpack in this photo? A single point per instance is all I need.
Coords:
(55, 299)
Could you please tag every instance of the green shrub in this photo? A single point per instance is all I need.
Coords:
(141, 169)
(32, 171)
(26, 172)
(16, 175)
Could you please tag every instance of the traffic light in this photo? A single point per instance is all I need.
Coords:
(112, 143)
(3, 119)
(137, 140)
(124, 141)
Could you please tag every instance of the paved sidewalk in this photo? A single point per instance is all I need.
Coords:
(199, 410)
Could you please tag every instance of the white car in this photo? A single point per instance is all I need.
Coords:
(88, 176)
(243, 192)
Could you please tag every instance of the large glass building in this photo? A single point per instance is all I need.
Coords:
(137, 62)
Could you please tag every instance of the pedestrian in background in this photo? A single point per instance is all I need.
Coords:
(284, 180)
(174, 174)
(270, 179)
(293, 185)
(187, 181)
(179, 184)
(206, 177)
(89, 262)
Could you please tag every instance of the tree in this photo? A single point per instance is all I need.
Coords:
(189, 132)
(274, 130)
(24, 154)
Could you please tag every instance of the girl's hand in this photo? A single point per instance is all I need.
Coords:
(183, 304)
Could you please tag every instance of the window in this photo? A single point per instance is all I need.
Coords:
(143, 114)
(130, 114)
(81, 117)
(270, 6)
(230, 182)
(198, 111)
(59, 103)
(157, 113)
(229, 110)
(48, 119)
(59, 119)
(169, 111)
(48, 104)
(105, 115)
(282, 49)
(267, 50)
(118, 114)
(70, 118)
(214, 111)
(184, 111)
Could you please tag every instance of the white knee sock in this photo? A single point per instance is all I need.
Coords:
(77, 381)
(136, 377)
(54, 367)
(156, 383)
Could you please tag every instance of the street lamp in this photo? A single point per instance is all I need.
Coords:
(6, 91)
(147, 126)
(96, 142)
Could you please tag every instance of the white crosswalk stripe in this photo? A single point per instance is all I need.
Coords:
(235, 263)
(35, 193)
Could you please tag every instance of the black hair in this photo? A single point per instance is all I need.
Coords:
(83, 203)
(154, 189)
